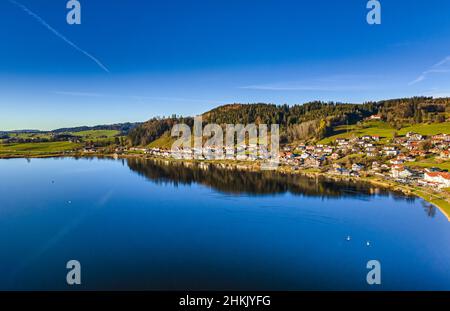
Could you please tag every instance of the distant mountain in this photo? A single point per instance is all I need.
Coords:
(124, 128)
(21, 131)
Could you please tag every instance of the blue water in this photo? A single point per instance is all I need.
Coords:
(131, 229)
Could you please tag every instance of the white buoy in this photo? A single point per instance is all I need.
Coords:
(368, 243)
(348, 238)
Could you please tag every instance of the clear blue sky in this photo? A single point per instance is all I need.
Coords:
(185, 57)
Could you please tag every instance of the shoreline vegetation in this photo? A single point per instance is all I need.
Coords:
(439, 199)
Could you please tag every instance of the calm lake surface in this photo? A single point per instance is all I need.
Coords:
(146, 225)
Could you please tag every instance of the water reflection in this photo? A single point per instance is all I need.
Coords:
(237, 181)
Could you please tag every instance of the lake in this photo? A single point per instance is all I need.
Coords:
(152, 225)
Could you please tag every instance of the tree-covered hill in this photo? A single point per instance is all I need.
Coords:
(123, 128)
(414, 110)
(309, 121)
(154, 129)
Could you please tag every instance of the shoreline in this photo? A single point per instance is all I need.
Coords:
(440, 200)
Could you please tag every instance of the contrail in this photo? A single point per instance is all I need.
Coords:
(436, 68)
(45, 24)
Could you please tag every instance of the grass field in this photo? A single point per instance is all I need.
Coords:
(384, 130)
(165, 141)
(31, 135)
(427, 129)
(95, 134)
(428, 163)
(87, 135)
(98, 136)
(37, 148)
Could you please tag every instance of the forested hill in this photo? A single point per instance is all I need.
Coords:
(309, 121)
(415, 110)
(124, 128)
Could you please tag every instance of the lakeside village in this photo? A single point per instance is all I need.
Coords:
(388, 160)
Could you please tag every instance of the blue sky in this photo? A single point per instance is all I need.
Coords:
(131, 60)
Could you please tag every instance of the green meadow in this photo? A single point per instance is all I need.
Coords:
(36, 149)
(429, 163)
(101, 136)
(427, 129)
(380, 128)
(384, 130)
(165, 141)
(95, 134)
(50, 148)
(43, 135)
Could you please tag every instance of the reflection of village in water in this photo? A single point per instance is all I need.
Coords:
(235, 180)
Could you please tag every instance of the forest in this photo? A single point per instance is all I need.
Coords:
(305, 122)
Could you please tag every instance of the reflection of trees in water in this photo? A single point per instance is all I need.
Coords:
(429, 209)
(238, 181)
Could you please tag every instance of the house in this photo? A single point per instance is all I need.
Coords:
(396, 161)
(341, 141)
(405, 158)
(301, 147)
(376, 137)
(445, 154)
(371, 151)
(340, 170)
(440, 138)
(375, 117)
(390, 151)
(357, 167)
(337, 166)
(334, 156)
(286, 155)
(241, 157)
(304, 155)
(399, 171)
(343, 171)
(376, 166)
(418, 153)
(414, 136)
(328, 150)
(318, 150)
(441, 179)
(89, 149)
(312, 162)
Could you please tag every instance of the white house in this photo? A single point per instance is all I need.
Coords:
(399, 171)
(357, 167)
(442, 179)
